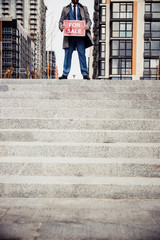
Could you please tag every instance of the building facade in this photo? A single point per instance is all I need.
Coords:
(50, 65)
(126, 39)
(17, 49)
(32, 16)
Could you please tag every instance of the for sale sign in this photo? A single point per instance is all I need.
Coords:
(74, 28)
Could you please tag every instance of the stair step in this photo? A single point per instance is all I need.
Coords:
(84, 124)
(106, 150)
(88, 87)
(80, 95)
(86, 136)
(79, 139)
(79, 113)
(82, 187)
(82, 104)
(78, 82)
(109, 167)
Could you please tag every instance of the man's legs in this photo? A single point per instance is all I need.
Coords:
(80, 43)
(68, 57)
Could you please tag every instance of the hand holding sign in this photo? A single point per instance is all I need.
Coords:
(86, 27)
(62, 27)
(74, 28)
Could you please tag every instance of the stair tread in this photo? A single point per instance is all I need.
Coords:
(143, 181)
(78, 130)
(80, 144)
(81, 119)
(79, 160)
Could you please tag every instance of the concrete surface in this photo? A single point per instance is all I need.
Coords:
(79, 219)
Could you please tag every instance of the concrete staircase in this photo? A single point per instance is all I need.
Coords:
(80, 139)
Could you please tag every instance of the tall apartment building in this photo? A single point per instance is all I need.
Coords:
(126, 39)
(50, 64)
(17, 49)
(32, 16)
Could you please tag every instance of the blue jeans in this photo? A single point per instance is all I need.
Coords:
(80, 44)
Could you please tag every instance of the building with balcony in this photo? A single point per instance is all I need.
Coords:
(32, 16)
(50, 65)
(17, 48)
(126, 39)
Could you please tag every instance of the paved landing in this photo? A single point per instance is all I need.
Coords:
(79, 219)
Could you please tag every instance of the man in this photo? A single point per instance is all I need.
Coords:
(75, 11)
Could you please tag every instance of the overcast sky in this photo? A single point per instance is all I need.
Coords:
(53, 15)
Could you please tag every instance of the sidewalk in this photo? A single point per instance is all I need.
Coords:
(79, 219)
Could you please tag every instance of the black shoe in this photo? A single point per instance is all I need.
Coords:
(86, 77)
(63, 77)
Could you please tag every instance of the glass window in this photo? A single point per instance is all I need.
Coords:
(115, 63)
(128, 53)
(148, 7)
(129, 34)
(115, 26)
(129, 45)
(154, 63)
(103, 1)
(122, 45)
(102, 68)
(121, 29)
(129, 26)
(122, 26)
(122, 34)
(114, 66)
(121, 66)
(102, 50)
(123, 7)
(152, 29)
(121, 48)
(122, 10)
(155, 26)
(155, 7)
(155, 45)
(122, 15)
(103, 32)
(146, 45)
(115, 7)
(103, 14)
(151, 68)
(122, 52)
(147, 26)
(115, 44)
(129, 7)
(146, 63)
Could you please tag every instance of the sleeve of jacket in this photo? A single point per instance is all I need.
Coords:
(88, 20)
(62, 18)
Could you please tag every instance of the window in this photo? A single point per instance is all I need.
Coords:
(152, 29)
(102, 32)
(102, 1)
(121, 66)
(119, 78)
(7, 37)
(122, 10)
(121, 29)
(152, 48)
(121, 48)
(7, 30)
(103, 14)
(102, 50)
(151, 67)
(102, 68)
(153, 9)
(7, 46)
